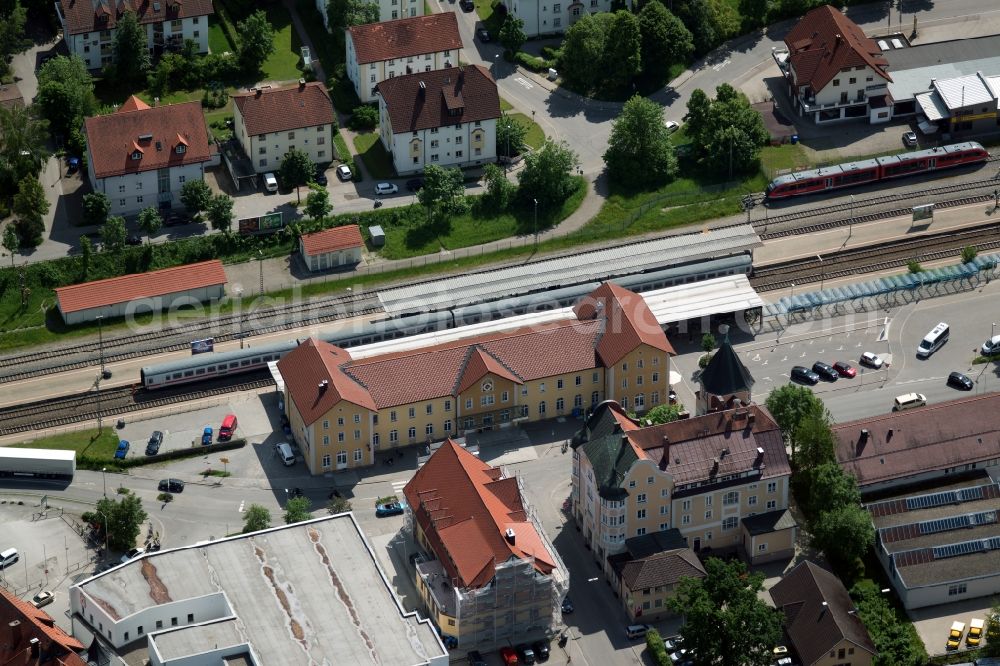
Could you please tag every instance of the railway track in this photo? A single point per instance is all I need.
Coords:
(267, 320)
(114, 402)
(887, 255)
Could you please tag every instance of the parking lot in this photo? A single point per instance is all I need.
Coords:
(933, 623)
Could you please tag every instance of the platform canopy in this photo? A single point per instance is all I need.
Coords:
(722, 295)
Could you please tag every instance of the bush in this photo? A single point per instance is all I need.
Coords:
(364, 118)
(914, 266)
(654, 643)
(528, 61)
(552, 53)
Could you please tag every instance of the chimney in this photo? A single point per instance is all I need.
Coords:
(715, 466)
(302, 84)
(34, 647)
(15, 635)
(509, 535)
(723, 453)
(156, 101)
(862, 440)
(822, 610)
(888, 436)
(258, 92)
(666, 441)
(321, 387)
(760, 456)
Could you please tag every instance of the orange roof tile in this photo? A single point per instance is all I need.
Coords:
(480, 363)
(82, 15)
(111, 291)
(464, 508)
(628, 322)
(331, 240)
(403, 38)
(307, 366)
(35, 623)
(112, 138)
(285, 109)
(133, 103)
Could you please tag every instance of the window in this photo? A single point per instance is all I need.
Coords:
(326, 460)
(429, 429)
(752, 500)
(640, 514)
(121, 202)
(541, 387)
(624, 367)
(468, 403)
(486, 400)
(121, 189)
(708, 500)
(631, 484)
(686, 505)
(541, 408)
(430, 409)
(190, 617)
(262, 162)
(357, 435)
(729, 523)
(771, 504)
(641, 498)
(772, 486)
(655, 378)
(159, 624)
(447, 426)
(458, 141)
(708, 514)
(761, 547)
(181, 149)
(340, 436)
(560, 404)
(625, 382)
(434, 157)
(578, 400)
(732, 497)
(341, 457)
(291, 135)
(340, 420)
(559, 383)
(357, 455)
(412, 412)
(836, 82)
(357, 418)
(447, 405)
(412, 433)
(138, 199)
(326, 440)
(954, 590)
(664, 492)
(649, 480)
(505, 396)
(640, 532)
(685, 520)
(654, 398)
(638, 380)
(595, 378)
(556, 8)
(393, 435)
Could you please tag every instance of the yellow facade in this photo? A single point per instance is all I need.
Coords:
(845, 653)
(339, 440)
(639, 381)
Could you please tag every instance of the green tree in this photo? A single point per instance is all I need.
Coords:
(547, 174)
(22, 145)
(968, 253)
(680, 39)
(443, 192)
(707, 343)
(297, 509)
(639, 152)
(725, 19)
(220, 213)
(655, 46)
(826, 486)
(318, 203)
(297, 169)
(725, 622)
(96, 207)
(754, 12)
(65, 93)
(844, 533)
(119, 519)
(195, 195)
(621, 49)
(583, 51)
(896, 640)
(789, 404)
(113, 234)
(86, 253)
(30, 204)
(512, 35)
(364, 117)
(347, 13)
(13, 18)
(510, 135)
(150, 221)
(663, 414)
(256, 41)
(992, 648)
(499, 190)
(256, 518)
(338, 505)
(11, 242)
(735, 133)
(697, 18)
(697, 118)
(814, 439)
(131, 53)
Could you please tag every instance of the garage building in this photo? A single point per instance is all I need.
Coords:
(331, 248)
(142, 292)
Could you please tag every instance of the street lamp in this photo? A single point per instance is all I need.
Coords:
(536, 224)
(822, 272)
(238, 291)
(506, 164)
(793, 292)
(104, 477)
(850, 222)
(107, 530)
(260, 262)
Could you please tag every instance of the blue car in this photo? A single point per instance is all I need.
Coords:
(206, 436)
(122, 449)
(389, 509)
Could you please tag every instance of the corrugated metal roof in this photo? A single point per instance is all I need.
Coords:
(102, 293)
(932, 105)
(732, 293)
(562, 271)
(964, 91)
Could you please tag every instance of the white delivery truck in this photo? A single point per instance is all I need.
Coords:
(39, 463)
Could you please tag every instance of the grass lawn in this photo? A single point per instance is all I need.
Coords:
(505, 105)
(374, 155)
(491, 20)
(535, 136)
(217, 40)
(775, 159)
(84, 442)
(283, 64)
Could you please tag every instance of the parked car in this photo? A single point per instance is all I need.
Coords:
(155, 440)
(415, 184)
(804, 375)
(541, 649)
(975, 635)
(567, 606)
(991, 346)
(386, 188)
(476, 659)
(175, 219)
(679, 657)
(46, 597)
(321, 178)
(955, 635)
(133, 240)
(344, 172)
(388, 509)
(122, 449)
(467, 5)
(526, 654)
(170, 486)
(909, 401)
(673, 644)
(960, 381)
(845, 369)
(483, 34)
(507, 653)
(270, 182)
(872, 360)
(672, 126)
(132, 554)
(826, 371)
(910, 138)
(780, 651)
(206, 436)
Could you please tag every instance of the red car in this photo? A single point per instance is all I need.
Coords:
(844, 369)
(509, 656)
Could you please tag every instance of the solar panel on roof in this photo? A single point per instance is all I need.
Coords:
(971, 493)
(956, 549)
(944, 524)
(930, 500)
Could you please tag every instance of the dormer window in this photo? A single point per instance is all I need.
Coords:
(180, 149)
(137, 154)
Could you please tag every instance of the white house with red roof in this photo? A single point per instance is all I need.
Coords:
(89, 25)
(331, 248)
(446, 117)
(380, 51)
(834, 71)
(491, 576)
(268, 122)
(141, 156)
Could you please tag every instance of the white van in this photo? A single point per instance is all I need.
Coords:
(636, 630)
(908, 401)
(991, 346)
(285, 452)
(8, 557)
(933, 340)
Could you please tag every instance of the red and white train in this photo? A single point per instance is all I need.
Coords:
(849, 174)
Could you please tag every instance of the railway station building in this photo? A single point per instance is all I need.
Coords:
(331, 248)
(344, 410)
(142, 292)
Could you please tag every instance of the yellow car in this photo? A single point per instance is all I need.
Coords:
(955, 635)
(975, 633)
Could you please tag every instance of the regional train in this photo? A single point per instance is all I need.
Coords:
(217, 364)
(850, 174)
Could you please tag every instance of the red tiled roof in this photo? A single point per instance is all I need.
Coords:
(464, 508)
(331, 240)
(918, 441)
(140, 285)
(480, 363)
(406, 37)
(824, 42)
(133, 103)
(307, 366)
(34, 623)
(111, 139)
(628, 322)
(413, 108)
(285, 109)
(82, 15)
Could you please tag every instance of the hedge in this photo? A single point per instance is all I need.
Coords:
(654, 643)
(535, 64)
(94, 463)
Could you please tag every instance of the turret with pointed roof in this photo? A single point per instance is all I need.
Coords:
(724, 380)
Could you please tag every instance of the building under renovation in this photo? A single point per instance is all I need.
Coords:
(486, 573)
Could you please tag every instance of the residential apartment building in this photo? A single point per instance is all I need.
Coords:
(388, 10)
(380, 51)
(834, 72)
(491, 576)
(346, 406)
(141, 156)
(646, 574)
(446, 117)
(705, 476)
(88, 26)
(268, 122)
(543, 17)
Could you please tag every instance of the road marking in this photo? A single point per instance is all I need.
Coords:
(397, 486)
(802, 355)
(756, 358)
(721, 64)
(821, 351)
(240, 510)
(521, 80)
(764, 363)
(783, 360)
